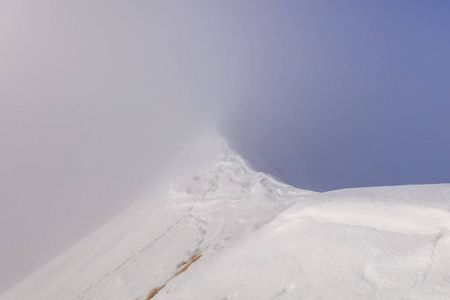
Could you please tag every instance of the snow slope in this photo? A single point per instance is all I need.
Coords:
(374, 243)
(259, 239)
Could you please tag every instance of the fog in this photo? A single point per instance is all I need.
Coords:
(96, 96)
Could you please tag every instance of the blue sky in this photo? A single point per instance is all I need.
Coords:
(350, 93)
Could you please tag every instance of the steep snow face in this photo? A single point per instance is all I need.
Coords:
(258, 239)
(203, 211)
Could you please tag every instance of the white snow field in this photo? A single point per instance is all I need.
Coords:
(258, 239)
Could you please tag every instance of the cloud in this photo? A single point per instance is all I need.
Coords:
(96, 97)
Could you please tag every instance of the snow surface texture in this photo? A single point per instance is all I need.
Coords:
(259, 239)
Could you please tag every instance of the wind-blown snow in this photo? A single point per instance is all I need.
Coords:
(259, 239)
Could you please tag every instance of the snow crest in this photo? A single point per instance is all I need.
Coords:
(259, 239)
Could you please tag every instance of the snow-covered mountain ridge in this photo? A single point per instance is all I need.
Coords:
(259, 239)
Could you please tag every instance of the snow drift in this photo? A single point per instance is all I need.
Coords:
(258, 239)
